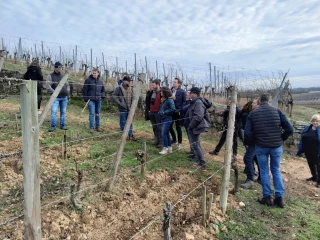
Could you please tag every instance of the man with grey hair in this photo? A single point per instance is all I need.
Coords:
(267, 127)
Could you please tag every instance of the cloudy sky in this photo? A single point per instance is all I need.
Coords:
(260, 36)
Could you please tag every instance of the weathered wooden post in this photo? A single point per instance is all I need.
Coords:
(209, 205)
(65, 145)
(125, 132)
(31, 160)
(228, 153)
(167, 211)
(2, 56)
(204, 205)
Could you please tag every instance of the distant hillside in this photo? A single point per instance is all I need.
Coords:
(305, 90)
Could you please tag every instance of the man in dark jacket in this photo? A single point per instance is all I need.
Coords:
(93, 91)
(199, 123)
(52, 82)
(267, 127)
(34, 73)
(154, 115)
(237, 125)
(123, 97)
(179, 96)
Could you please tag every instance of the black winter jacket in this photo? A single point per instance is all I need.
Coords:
(267, 127)
(93, 89)
(34, 73)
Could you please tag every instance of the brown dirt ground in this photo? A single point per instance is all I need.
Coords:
(135, 201)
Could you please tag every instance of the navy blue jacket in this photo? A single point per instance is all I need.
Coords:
(93, 89)
(167, 108)
(304, 131)
(180, 98)
(267, 127)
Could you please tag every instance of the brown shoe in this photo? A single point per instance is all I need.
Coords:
(203, 169)
(99, 130)
(132, 138)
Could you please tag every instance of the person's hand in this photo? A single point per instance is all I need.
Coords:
(69, 98)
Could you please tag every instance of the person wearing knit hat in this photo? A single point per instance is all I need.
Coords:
(52, 82)
(34, 73)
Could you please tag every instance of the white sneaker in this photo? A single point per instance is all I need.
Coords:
(39, 112)
(164, 151)
(169, 149)
(179, 146)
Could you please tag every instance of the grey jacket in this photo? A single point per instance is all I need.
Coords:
(52, 82)
(121, 98)
(199, 117)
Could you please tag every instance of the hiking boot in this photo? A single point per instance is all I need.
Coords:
(214, 152)
(318, 185)
(132, 138)
(248, 184)
(52, 129)
(265, 201)
(155, 143)
(314, 179)
(169, 149)
(99, 130)
(91, 130)
(203, 168)
(164, 151)
(196, 165)
(179, 146)
(64, 128)
(173, 141)
(278, 202)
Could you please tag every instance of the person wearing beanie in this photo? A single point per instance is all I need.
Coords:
(123, 97)
(34, 73)
(52, 82)
(199, 122)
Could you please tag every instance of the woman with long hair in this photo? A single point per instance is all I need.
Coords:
(167, 108)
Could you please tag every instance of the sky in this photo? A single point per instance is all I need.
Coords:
(260, 37)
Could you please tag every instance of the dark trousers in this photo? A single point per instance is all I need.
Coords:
(248, 161)
(314, 164)
(196, 147)
(155, 120)
(176, 119)
(224, 138)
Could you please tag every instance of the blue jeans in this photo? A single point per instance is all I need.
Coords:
(123, 120)
(275, 157)
(166, 123)
(248, 161)
(62, 102)
(196, 148)
(94, 113)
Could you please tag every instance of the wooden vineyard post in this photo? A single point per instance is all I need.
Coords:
(2, 55)
(204, 205)
(209, 205)
(31, 160)
(167, 211)
(228, 152)
(65, 145)
(125, 134)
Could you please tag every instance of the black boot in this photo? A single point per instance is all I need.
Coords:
(265, 201)
(279, 202)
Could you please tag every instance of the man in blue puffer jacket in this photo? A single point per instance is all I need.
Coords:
(93, 91)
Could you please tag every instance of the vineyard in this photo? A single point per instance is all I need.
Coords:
(150, 189)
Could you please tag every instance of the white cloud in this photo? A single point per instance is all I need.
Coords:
(252, 34)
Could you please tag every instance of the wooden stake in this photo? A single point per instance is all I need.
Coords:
(204, 206)
(125, 134)
(167, 211)
(228, 153)
(65, 145)
(209, 205)
(31, 160)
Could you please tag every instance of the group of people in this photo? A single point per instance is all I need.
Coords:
(168, 107)
(261, 127)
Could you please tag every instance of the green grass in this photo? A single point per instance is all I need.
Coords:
(298, 220)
